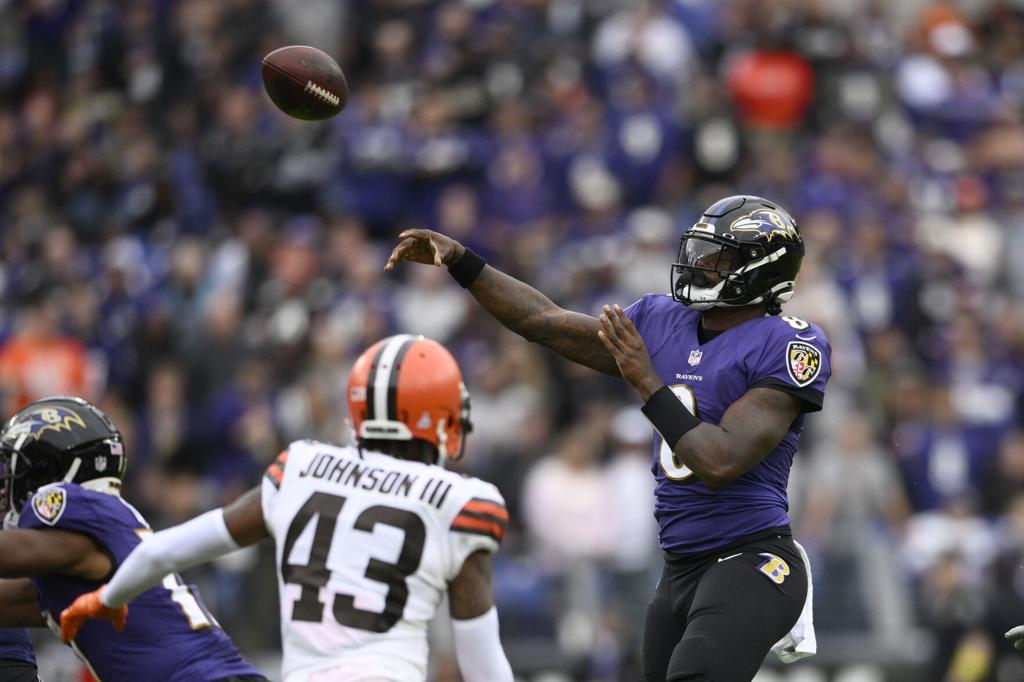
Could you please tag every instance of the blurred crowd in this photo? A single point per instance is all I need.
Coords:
(207, 269)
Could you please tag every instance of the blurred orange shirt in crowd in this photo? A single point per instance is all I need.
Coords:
(32, 367)
(772, 89)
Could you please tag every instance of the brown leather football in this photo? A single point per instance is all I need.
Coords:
(304, 82)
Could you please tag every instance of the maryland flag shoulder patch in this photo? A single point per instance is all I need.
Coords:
(48, 504)
(481, 516)
(803, 362)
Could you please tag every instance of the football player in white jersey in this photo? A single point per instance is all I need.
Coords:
(368, 537)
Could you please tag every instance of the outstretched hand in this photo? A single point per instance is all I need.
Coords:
(425, 246)
(88, 606)
(1016, 635)
(625, 344)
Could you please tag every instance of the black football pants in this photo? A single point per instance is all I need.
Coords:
(17, 671)
(715, 617)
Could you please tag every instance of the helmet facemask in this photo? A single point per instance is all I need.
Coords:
(13, 469)
(713, 271)
(20, 477)
(710, 272)
(465, 427)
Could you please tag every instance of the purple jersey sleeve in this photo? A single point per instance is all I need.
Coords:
(796, 358)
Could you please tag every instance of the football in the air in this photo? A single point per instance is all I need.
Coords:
(304, 82)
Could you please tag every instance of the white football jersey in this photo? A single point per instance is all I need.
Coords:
(366, 546)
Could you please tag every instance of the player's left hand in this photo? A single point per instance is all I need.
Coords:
(1016, 635)
(625, 344)
(89, 606)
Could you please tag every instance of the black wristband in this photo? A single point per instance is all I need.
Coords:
(668, 415)
(467, 268)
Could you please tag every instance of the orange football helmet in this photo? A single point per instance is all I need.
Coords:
(407, 387)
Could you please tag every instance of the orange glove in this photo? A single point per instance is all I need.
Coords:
(89, 606)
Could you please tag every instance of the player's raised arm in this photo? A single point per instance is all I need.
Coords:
(26, 553)
(29, 553)
(515, 304)
(174, 549)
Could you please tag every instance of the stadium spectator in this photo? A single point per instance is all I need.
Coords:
(38, 360)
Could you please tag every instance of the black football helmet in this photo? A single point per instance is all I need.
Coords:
(743, 250)
(60, 439)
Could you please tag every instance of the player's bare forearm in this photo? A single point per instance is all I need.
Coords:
(750, 429)
(18, 606)
(516, 305)
(469, 595)
(27, 553)
(244, 519)
(529, 313)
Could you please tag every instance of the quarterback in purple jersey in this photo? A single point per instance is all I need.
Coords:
(725, 381)
(17, 662)
(61, 465)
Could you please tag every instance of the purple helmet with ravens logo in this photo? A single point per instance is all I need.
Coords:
(742, 251)
(60, 439)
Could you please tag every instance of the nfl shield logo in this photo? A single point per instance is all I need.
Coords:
(695, 356)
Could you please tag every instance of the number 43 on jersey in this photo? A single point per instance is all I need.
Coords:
(323, 510)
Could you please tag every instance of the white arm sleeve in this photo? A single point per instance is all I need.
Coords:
(478, 649)
(194, 542)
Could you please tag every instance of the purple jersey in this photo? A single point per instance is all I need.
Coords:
(783, 353)
(16, 645)
(169, 635)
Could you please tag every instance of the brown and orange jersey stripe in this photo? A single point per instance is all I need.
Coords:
(275, 472)
(481, 516)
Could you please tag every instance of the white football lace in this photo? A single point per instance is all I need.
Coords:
(325, 95)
